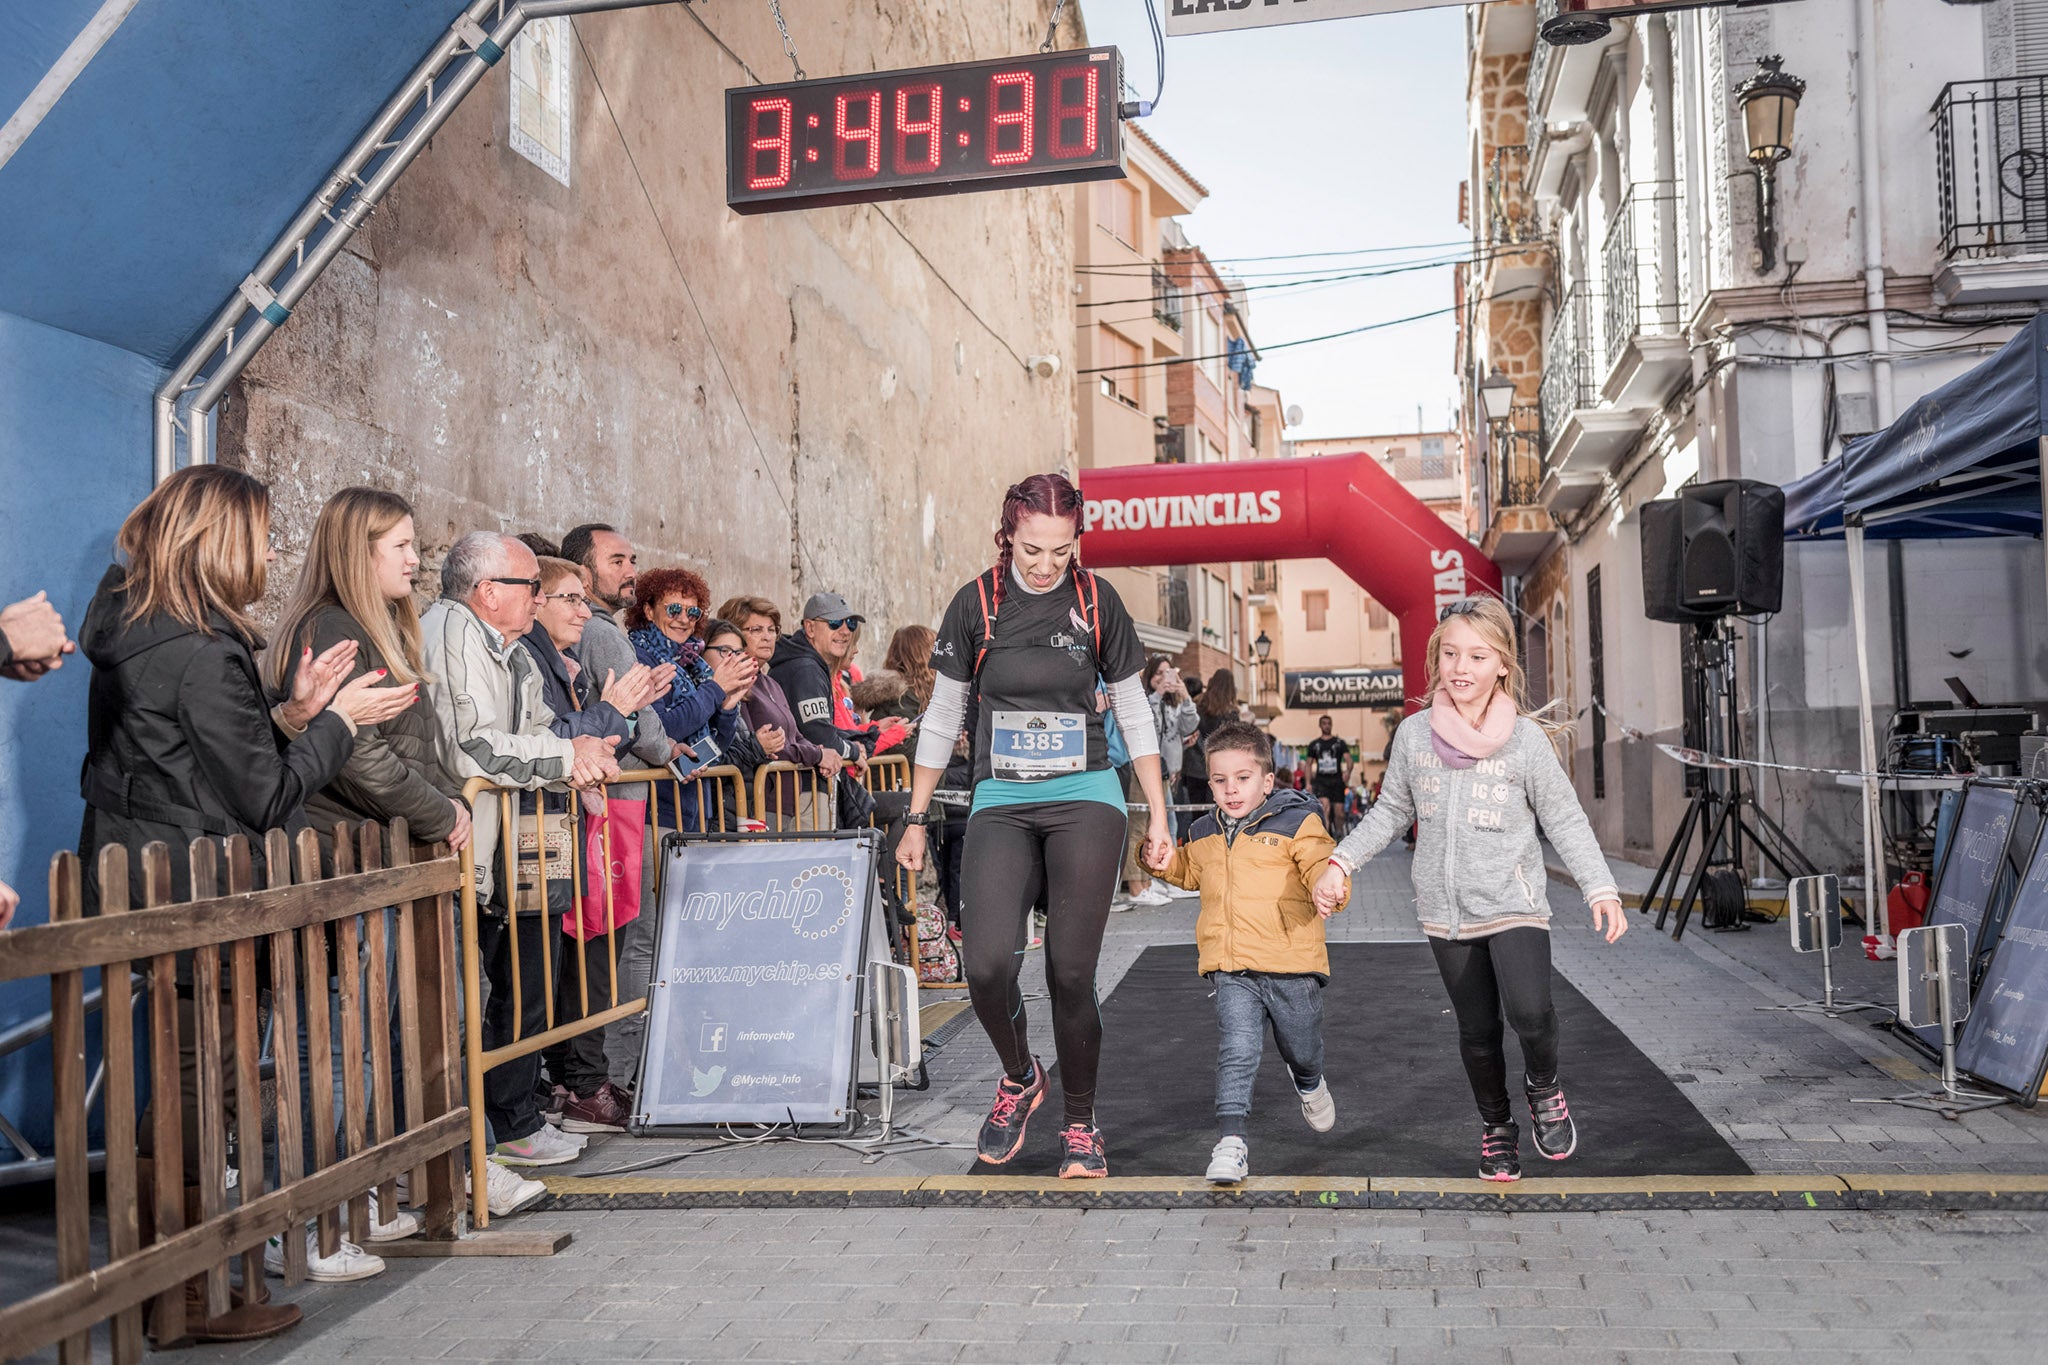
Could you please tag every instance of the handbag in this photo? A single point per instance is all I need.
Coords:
(856, 803)
(556, 832)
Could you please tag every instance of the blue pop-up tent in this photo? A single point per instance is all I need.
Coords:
(1965, 460)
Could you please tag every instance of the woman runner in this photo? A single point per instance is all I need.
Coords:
(1477, 775)
(1027, 642)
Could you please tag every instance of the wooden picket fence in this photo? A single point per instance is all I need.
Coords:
(276, 942)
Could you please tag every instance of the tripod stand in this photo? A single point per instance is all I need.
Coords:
(1720, 809)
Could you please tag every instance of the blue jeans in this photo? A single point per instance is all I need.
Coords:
(1245, 1002)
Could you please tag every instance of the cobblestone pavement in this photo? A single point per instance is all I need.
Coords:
(1025, 1285)
(1013, 1285)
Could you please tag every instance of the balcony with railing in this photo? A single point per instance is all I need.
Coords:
(1166, 299)
(1644, 351)
(1582, 434)
(1991, 172)
(1540, 57)
(1264, 577)
(1176, 608)
(1518, 528)
(1561, 81)
(1516, 260)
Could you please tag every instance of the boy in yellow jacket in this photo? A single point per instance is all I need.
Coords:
(1255, 859)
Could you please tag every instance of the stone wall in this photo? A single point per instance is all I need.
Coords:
(831, 398)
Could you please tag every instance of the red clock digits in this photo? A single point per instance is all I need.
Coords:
(926, 128)
(776, 144)
(865, 140)
(1079, 114)
(1001, 119)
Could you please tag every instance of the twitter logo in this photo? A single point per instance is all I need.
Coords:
(703, 1083)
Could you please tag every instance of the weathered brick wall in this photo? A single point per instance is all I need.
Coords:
(511, 352)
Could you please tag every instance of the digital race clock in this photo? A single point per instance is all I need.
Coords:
(1045, 119)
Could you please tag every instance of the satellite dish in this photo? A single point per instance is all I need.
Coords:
(1293, 414)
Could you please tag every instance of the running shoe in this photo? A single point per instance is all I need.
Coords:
(1172, 892)
(1002, 1132)
(1550, 1123)
(402, 1224)
(1120, 903)
(1152, 895)
(1500, 1156)
(506, 1191)
(542, 1147)
(1318, 1107)
(349, 1261)
(1229, 1162)
(1082, 1155)
(603, 1110)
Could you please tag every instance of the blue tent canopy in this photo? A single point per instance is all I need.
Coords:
(1963, 461)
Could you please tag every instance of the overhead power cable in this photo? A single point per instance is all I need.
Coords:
(1274, 346)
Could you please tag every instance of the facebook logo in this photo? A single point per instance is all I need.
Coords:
(713, 1038)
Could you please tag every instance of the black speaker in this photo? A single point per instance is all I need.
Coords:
(1717, 549)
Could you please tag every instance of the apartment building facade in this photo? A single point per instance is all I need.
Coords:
(1667, 309)
(1164, 375)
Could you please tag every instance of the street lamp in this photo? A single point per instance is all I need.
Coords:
(1262, 646)
(1497, 393)
(1768, 100)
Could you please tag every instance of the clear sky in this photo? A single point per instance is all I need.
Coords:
(1336, 136)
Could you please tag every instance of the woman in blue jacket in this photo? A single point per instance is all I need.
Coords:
(666, 625)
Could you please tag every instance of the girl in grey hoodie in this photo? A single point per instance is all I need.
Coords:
(1478, 776)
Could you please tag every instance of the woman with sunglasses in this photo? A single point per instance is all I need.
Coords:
(1476, 773)
(666, 625)
(1029, 642)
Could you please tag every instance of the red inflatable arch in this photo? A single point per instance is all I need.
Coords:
(1343, 508)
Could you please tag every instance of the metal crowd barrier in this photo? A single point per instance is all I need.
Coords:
(162, 1232)
(554, 838)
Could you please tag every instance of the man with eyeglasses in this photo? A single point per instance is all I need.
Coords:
(803, 666)
(488, 693)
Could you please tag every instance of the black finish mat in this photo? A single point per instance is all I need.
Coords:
(1404, 1106)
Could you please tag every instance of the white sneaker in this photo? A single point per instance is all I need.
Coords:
(1318, 1108)
(1152, 895)
(404, 1223)
(1172, 892)
(542, 1147)
(1229, 1162)
(506, 1191)
(1120, 903)
(563, 1136)
(349, 1261)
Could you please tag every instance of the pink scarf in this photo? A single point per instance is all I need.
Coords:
(1455, 740)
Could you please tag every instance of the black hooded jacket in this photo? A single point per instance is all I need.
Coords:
(800, 671)
(180, 743)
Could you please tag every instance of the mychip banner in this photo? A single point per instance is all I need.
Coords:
(757, 962)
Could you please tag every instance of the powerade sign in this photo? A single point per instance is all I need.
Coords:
(1337, 687)
(758, 956)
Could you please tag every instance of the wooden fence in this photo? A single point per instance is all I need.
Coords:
(401, 1114)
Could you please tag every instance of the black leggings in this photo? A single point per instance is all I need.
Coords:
(1512, 969)
(1071, 852)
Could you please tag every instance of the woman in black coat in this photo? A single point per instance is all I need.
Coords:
(183, 741)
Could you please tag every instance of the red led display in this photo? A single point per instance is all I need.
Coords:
(1048, 118)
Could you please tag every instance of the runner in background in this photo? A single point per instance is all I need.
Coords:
(1477, 775)
(1329, 766)
(1026, 642)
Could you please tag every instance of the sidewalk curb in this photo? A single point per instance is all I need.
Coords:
(1594, 1194)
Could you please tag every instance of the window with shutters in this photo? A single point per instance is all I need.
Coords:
(2030, 37)
(1121, 375)
(1376, 615)
(1316, 607)
(1116, 210)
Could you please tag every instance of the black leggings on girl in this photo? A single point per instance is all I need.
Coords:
(1071, 851)
(1511, 969)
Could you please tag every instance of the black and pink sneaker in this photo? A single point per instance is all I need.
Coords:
(1550, 1123)
(1500, 1154)
(1082, 1154)
(1002, 1132)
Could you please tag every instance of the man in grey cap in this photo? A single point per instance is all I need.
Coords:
(803, 666)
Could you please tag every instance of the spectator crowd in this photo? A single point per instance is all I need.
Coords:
(546, 667)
